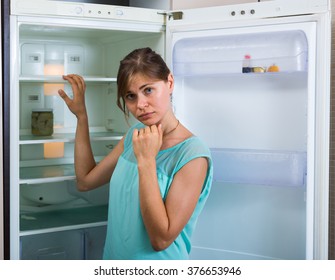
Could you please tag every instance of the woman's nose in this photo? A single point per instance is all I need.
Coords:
(142, 102)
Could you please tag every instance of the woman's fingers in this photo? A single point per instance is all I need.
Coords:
(147, 130)
(79, 81)
(76, 104)
(75, 80)
(147, 140)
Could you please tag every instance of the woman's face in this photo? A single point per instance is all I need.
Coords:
(148, 100)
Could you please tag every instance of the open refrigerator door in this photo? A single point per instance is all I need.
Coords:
(255, 87)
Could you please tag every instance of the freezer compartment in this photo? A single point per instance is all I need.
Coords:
(225, 53)
(260, 167)
(245, 222)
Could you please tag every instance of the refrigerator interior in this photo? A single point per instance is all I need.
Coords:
(49, 201)
(257, 126)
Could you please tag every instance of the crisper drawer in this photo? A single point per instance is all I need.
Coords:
(275, 168)
(65, 245)
(80, 244)
(95, 242)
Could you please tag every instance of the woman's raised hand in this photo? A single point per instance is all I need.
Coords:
(77, 103)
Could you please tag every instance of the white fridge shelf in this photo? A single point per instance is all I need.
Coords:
(48, 170)
(59, 79)
(62, 219)
(46, 174)
(68, 137)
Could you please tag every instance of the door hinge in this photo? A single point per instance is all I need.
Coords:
(175, 15)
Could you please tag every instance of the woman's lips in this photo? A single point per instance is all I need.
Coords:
(145, 116)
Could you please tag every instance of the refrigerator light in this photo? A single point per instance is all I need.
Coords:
(51, 98)
(53, 70)
(52, 89)
(54, 150)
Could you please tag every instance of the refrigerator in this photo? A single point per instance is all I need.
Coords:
(251, 80)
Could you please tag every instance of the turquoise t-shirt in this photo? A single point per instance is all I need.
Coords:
(127, 237)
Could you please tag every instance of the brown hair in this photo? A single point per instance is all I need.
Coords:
(143, 61)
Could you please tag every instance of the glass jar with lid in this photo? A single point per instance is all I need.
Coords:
(42, 122)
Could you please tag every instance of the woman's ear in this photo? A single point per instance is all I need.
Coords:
(171, 82)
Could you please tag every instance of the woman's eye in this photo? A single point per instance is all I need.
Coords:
(148, 90)
(130, 96)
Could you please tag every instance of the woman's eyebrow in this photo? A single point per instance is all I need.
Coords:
(145, 85)
(141, 87)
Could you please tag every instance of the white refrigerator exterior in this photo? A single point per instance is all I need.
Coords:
(269, 132)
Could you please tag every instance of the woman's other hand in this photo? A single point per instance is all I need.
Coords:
(147, 142)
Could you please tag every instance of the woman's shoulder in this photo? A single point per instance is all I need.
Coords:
(192, 146)
(195, 144)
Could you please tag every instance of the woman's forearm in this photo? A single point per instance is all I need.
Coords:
(154, 213)
(83, 155)
(88, 177)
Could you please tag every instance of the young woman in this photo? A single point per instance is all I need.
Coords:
(160, 174)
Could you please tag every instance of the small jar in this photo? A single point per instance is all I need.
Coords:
(42, 122)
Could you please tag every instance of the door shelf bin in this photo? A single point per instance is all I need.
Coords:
(225, 54)
(257, 167)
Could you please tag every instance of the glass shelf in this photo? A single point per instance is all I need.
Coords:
(59, 79)
(63, 218)
(68, 137)
(46, 174)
